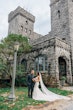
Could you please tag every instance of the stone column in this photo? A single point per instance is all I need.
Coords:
(69, 72)
(57, 70)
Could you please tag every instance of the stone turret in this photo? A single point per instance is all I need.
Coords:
(21, 22)
(60, 19)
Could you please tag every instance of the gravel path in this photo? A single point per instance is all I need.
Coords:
(57, 105)
(69, 106)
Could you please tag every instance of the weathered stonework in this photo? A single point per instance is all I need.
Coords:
(22, 22)
(57, 46)
(53, 48)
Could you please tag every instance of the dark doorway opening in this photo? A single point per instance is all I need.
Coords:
(62, 67)
(24, 65)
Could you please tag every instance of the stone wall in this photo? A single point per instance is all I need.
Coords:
(63, 50)
(60, 19)
(70, 9)
(53, 48)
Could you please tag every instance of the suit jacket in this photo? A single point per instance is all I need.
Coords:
(29, 80)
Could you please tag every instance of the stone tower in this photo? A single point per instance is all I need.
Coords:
(21, 22)
(62, 20)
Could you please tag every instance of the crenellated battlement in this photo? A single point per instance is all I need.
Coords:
(22, 12)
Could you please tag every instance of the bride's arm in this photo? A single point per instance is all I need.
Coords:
(37, 79)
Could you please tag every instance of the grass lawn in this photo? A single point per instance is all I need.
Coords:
(21, 98)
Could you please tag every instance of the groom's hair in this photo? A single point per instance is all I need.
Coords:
(31, 69)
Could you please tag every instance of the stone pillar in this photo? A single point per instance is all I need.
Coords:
(57, 69)
(69, 72)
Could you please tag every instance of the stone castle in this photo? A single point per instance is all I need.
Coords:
(52, 53)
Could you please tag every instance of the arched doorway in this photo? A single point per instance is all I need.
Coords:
(62, 67)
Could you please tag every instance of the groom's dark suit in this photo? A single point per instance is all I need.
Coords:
(30, 84)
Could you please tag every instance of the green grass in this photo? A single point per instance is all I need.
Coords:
(22, 99)
(60, 92)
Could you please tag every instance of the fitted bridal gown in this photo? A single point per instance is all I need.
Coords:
(44, 94)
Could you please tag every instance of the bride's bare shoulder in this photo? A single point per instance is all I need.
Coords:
(37, 79)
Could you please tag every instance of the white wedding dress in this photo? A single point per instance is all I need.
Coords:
(44, 94)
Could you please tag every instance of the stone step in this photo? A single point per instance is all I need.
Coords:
(66, 85)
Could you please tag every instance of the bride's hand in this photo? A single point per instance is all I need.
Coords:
(33, 79)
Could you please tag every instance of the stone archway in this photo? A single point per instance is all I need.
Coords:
(24, 64)
(62, 67)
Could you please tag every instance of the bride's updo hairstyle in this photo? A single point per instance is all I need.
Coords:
(38, 73)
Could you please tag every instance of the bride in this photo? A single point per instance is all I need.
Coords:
(44, 94)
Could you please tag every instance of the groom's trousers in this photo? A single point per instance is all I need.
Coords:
(30, 91)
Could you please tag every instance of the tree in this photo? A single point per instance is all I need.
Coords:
(7, 51)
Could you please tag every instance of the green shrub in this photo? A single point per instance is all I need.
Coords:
(63, 78)
(5, 83)
(20, 81)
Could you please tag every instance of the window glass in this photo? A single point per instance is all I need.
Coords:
(41, 63)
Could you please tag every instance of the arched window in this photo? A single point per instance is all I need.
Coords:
(21, 28)
(24, 65)
(59, 14)
(26, 30)
(41, 63)
(26, 22)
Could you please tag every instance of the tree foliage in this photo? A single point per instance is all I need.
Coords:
(7, 50)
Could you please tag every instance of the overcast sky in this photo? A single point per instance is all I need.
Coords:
(39, 8)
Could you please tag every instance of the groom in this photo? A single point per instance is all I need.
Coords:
(30, 83)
